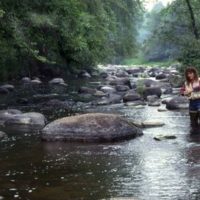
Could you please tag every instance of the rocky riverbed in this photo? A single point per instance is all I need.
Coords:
(122, 86)
(115, 101)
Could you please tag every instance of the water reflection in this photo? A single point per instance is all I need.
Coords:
(141, 169)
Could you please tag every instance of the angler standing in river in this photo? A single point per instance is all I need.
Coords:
(191, 89)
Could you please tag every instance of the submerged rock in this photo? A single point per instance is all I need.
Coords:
(164, 137)
(94, 127)
(149, 124)
(152, 123)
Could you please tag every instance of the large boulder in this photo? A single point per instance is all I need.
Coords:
(94, 127)
(177, 103)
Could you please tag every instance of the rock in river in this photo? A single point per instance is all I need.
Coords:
(177, 103)
(24, 122)
(93, 127)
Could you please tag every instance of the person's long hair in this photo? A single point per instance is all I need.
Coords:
(191, 70)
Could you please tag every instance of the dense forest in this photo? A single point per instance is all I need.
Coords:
(64, 36)
(173, 32)
(49, 37)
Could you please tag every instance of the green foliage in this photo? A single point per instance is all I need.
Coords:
(141, 61)
(1, 13)
(69, 34)
(172, 35)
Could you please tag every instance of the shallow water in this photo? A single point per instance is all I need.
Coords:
(141, 169)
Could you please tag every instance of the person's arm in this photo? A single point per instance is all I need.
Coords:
(182, 90)
(185, 91)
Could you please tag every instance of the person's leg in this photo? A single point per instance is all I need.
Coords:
(194, 115)
(193, 111)
(198, 110)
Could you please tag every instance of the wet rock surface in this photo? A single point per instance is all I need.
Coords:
(15, 120)
(177, 103)
(94, 127)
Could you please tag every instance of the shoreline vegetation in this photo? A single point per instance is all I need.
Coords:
(57, 38)
(142, 62)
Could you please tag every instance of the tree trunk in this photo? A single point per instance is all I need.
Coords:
(194, 27)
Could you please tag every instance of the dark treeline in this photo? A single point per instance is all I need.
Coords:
(173, 32)
(54, 36)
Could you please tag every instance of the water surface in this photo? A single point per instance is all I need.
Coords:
(141, 169)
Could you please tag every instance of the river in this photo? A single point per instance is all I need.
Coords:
(139, 169)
